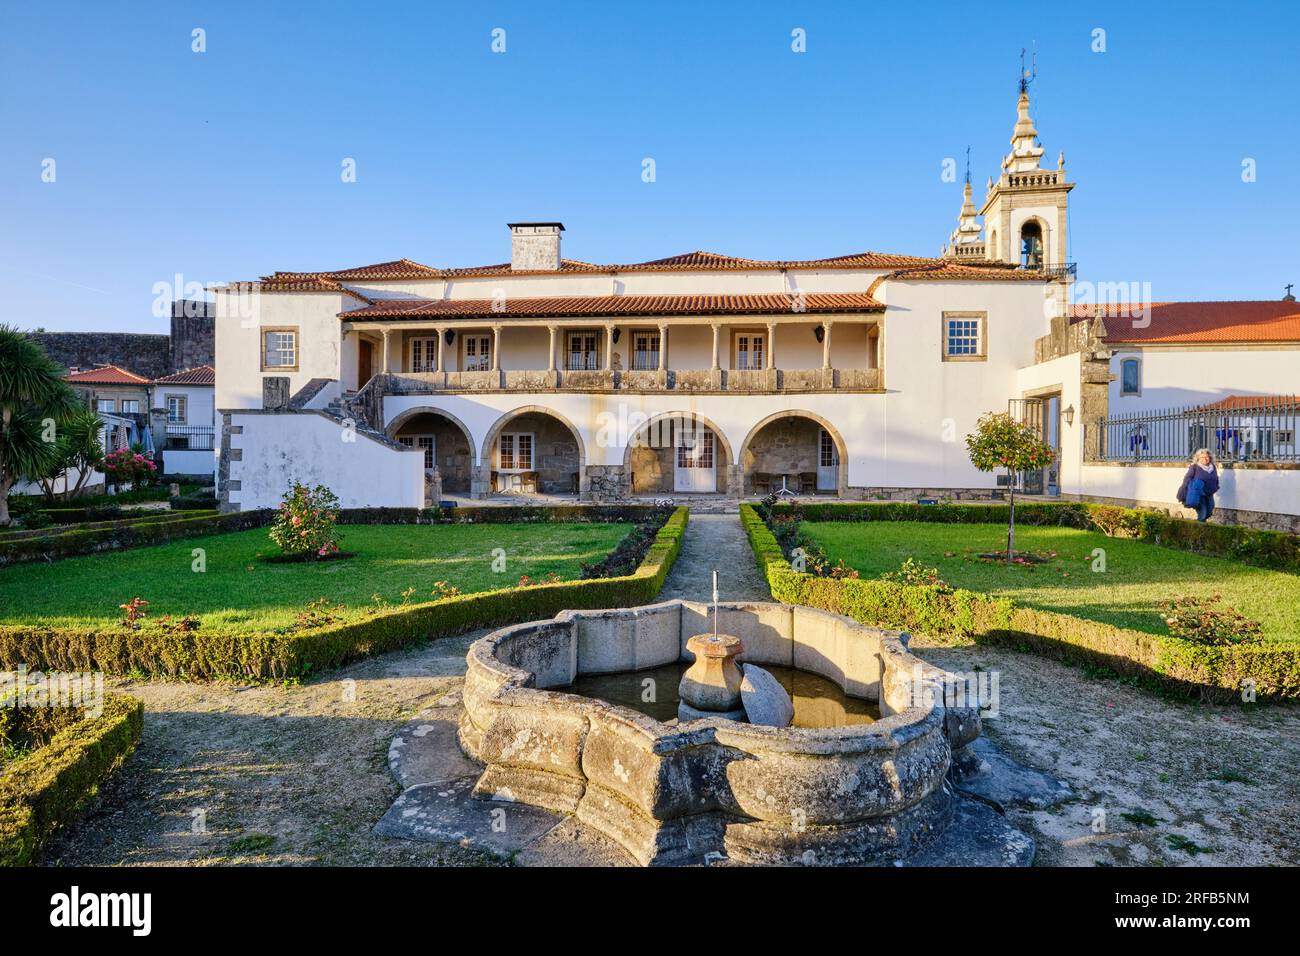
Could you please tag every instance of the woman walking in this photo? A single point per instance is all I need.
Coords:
(1200, 484)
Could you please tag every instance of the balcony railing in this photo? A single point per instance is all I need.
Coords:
(1058, 270)
(684, 380)
(189, 438)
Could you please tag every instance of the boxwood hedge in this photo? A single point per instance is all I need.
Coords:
(1212, 673)
(1269, 549)
(266, 654)
(49, 786)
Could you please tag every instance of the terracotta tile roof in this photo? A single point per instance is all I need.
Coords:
(696, 261)
(1172, 322)
(106, 375)
(199, 375)
(596, 306)
(283, 282)
(1233, 402)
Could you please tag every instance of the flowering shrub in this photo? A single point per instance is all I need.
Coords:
(305, 524)
(1208, 621)
(135, 609)
(125, 466)
(914, 572)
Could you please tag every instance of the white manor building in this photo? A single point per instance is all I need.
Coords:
(855, 376)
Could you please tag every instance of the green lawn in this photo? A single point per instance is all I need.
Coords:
(1137, 578)
(238, 592)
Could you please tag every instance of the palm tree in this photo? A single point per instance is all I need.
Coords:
(33, 398)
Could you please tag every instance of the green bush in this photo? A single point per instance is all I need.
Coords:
(193, 503)
(48, 787)
(1268, 549)
(1212, 673)
(266, 654)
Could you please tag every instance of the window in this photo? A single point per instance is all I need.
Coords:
(695, 448)
(583, 351)
(279, 349)
(826, 453)
(104, 405)
(750, 349)
(963, 336)
(131, 406)
(176, 409)
(424, 442)
(515, 451)
(1130, 377)
(424, 354)
(645, 351)
(478, 353)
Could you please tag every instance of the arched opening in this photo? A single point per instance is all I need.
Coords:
(795, 452)
(534, 450)
(1031, 245)
(444, 441)
(678, 453)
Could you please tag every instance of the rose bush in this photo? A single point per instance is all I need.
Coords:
(306, 523)
(126, 466)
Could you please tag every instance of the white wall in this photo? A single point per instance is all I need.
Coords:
(1193, 376)
(276, 448)
(239, 322)
(1064, 373)
(1252, 489)
(931, 405)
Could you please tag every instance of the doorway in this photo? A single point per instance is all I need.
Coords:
(695, 469)
(365, 362)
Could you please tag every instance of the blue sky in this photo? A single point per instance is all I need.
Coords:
(226, 164)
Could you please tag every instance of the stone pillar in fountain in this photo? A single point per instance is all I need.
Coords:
(711, 685)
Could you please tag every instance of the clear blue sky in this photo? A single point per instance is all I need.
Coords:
(226, 164)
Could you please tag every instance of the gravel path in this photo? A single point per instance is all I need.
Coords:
(715, 542)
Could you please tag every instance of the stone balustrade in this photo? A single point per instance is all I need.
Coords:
(751, 381)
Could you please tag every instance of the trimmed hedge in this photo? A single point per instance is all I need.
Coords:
(158, 527)
(1211, 673)
(48, 788)
(265, 654)
(1278, 550)
(193, 503)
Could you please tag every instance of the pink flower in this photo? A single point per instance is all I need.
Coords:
(297, 520)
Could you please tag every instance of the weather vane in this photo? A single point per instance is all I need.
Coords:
(967, 165)
(1028, 76)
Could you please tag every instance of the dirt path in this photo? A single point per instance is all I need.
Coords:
(276, 775)
(1223, 777)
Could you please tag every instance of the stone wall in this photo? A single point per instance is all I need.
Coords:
(143, 353)
(652, 466)
(193, 338)
(787, 446)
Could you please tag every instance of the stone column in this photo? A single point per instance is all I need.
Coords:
(609, 348)
(663, 347)
(442, 349)
(496, 348)
(716, 332)
(828, 373)
(552, 373)
(771, 345)
(387, 364)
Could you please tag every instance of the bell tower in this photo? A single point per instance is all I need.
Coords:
(1025, 209)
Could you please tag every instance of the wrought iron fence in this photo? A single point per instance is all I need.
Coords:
(1256, 429)
(189, 438)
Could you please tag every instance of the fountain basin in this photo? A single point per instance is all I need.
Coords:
(671, 793)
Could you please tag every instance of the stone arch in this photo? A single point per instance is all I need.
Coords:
(456, 468)
(725, 459)
(840, 447)
(1044, 234)
(485, 453)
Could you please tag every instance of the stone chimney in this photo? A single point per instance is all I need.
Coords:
(535, 246)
